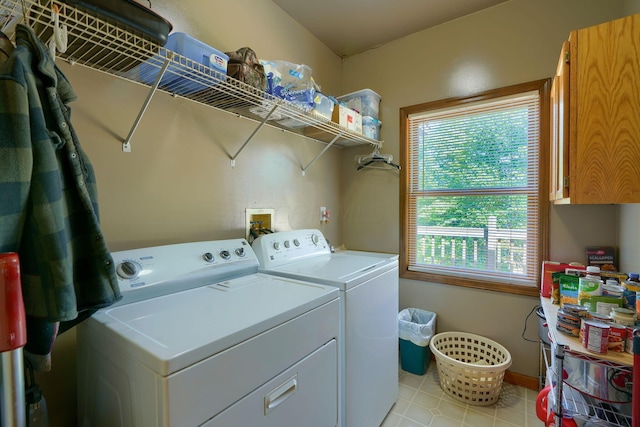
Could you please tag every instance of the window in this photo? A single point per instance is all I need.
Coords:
(473, 201)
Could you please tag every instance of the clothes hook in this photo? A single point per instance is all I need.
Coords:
(25, 10)
(60, 36)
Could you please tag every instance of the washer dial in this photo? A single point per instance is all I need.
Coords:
(128, 270)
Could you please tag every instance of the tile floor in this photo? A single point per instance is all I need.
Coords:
(421, 403)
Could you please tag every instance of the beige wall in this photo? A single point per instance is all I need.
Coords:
(514, 42)
(177, 183)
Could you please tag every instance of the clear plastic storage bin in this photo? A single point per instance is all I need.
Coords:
(364, 101)
(371, 127)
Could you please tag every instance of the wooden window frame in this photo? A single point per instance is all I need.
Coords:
(543, 87)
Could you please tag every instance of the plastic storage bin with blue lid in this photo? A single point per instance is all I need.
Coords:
(184, 79)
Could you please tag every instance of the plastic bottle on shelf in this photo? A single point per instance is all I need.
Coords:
(630, 287)
(589, 285)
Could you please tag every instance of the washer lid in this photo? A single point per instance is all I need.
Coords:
(342, 269)
(174, 331)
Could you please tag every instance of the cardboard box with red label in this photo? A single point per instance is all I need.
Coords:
(549, 267)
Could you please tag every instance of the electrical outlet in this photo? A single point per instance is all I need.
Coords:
(257, 219)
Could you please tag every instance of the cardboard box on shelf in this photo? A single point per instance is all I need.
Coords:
(347, 118)
(344, 116)
(549, 267)
(602, 256)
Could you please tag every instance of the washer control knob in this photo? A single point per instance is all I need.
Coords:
(287, 244)
(240, 252)
(225, 255)
(315, 239)
(276, 245)
(208, 256)
(296, 242)
(128, 270)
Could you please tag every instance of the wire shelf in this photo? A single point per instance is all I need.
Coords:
(107, 47)
(584, 406)
(590, 386)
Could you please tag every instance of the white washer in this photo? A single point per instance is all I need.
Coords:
(201, 338)
(368, 344)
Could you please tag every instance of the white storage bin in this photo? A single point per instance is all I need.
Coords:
(364, 101)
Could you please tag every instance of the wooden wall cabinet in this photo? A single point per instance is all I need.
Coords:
(595, 116)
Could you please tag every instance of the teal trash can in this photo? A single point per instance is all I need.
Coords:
(415, 329)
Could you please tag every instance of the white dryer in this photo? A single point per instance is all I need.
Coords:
(368, 345)
(201, 338)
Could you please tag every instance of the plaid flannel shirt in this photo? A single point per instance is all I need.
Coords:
(48, 193)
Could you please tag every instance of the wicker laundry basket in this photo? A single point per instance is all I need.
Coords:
(470, 367)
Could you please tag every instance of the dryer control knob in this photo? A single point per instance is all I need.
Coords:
(128, 270)
(287, 244)
(225, 255)
(315, 239)
(296, 242)
(276, 245)
(240, 252)
(208, 256)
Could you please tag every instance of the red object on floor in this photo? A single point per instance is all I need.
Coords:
(541, 403)
(13, 332)
(567, 421)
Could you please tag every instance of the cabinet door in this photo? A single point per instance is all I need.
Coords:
(560, 129)
(553, 141)
(605, 113)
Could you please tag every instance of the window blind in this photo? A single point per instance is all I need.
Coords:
(472, 196)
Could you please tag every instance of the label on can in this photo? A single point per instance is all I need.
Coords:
(628, 345)
(568, 318)
(595, 336)
(617, 337)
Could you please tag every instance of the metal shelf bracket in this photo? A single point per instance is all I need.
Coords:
(126, 145)
(304, 169)
(255, 131)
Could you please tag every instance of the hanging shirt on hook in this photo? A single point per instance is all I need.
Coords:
(49, 212)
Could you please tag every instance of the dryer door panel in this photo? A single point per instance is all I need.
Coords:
(305, 394)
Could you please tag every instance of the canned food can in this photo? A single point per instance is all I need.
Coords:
(567, 318)
(595, 336)
(628, 345)
(568, 329)
(599, 317)
(617, 337)
(575, 310)
(623, 316)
